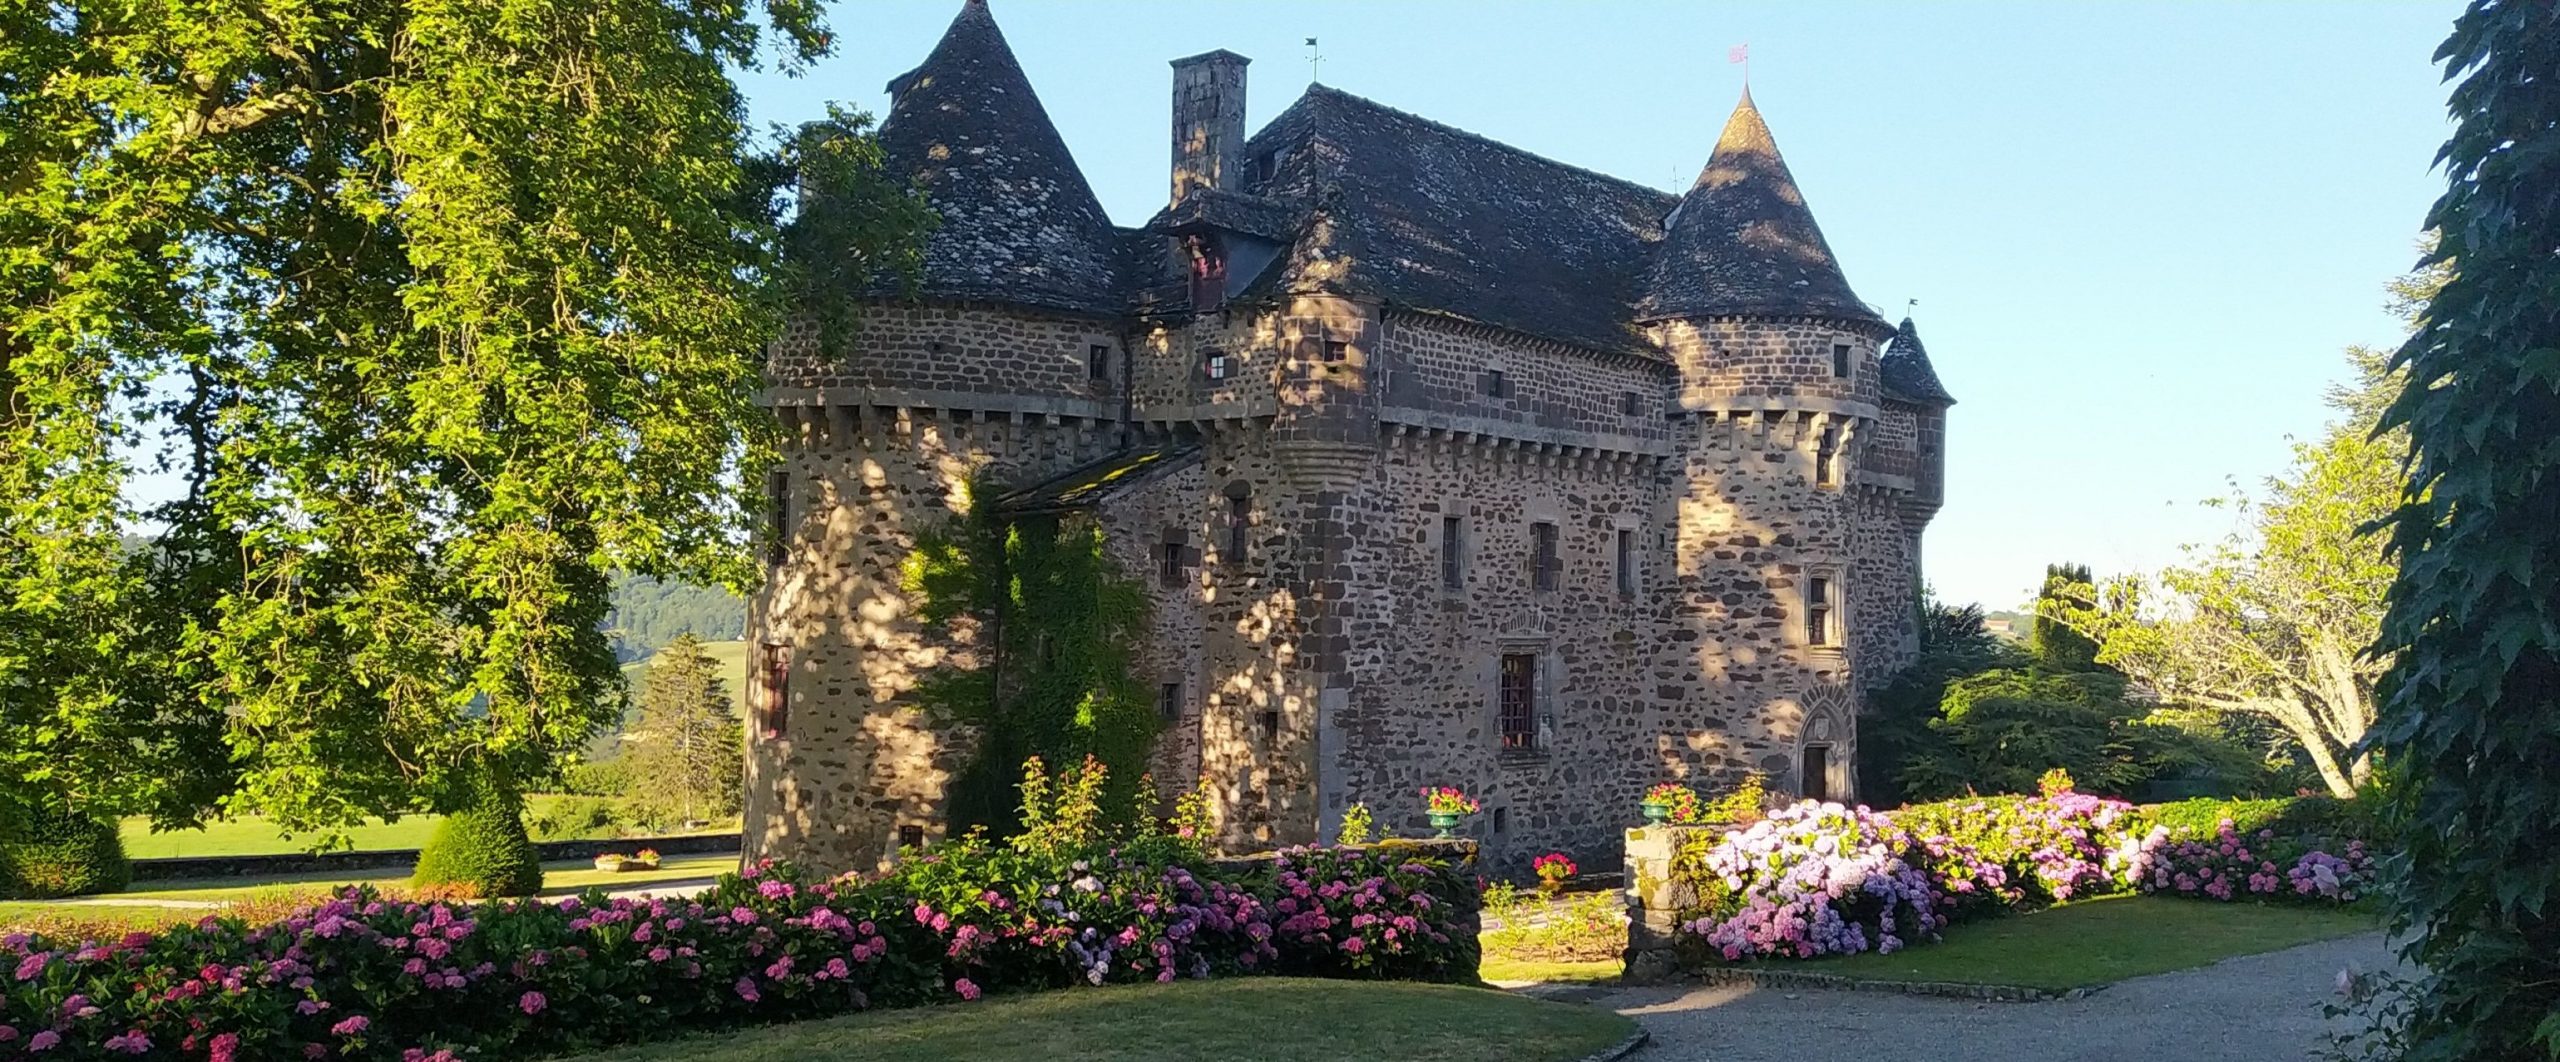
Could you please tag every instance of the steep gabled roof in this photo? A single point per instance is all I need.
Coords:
(1427, 217)
(1743, 240)
(1019, 223)
(1907, 373)
(1089, 485)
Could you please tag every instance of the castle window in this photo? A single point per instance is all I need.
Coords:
(1216, 364)
(1336, 350)
(1626, 563)
(1517, 709)
(1097, 362)
(1544, 563)
(1627, 403)
(910, 835)
(1821, 611)
(1453, 545)
(773, 688)
(1501, 819)
(1169, 702)
(1239, 525)
(1814, 774)
(1496, 385)
(777, 516)
(1826, 457)
(1840, 360)
(1171, 558)
(1270, 727)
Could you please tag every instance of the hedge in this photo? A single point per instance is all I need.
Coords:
(482, 850)
(51, 853)
(366, 977)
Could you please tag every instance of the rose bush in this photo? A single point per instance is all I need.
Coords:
(364, 977)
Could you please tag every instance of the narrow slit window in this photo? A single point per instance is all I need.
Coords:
(1818, 611)
(1840, 358)
(1453, 545)
(1626, 563)
(1270, 727)
(777, 516)
(1544, 562)
(773, 688)
(1169, 702)
(1239, 526)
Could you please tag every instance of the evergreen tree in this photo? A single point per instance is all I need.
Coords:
(2470, 710)
(2057, 645)
(686, 758)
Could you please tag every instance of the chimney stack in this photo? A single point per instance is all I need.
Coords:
(1208, 122)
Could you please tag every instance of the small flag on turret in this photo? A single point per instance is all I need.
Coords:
(1740, 53)
(1311, 42)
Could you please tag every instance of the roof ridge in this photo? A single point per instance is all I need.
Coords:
(1353, 97)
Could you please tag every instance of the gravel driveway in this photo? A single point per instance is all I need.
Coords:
(2256, 1008)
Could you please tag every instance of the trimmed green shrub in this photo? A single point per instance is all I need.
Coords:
(59, 852)
(482, 851)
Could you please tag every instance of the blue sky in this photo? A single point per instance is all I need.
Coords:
(2140, 234)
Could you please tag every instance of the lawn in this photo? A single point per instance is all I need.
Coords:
(1549, 971)
(2098, 941)
(255, 835)
(1271, 1019)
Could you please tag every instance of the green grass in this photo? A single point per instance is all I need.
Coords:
(1269, 1019)
(2095, 942)
(1550, 971)
(565, 876)
(255, 835)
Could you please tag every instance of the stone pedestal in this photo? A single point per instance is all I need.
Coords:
(1656, 898)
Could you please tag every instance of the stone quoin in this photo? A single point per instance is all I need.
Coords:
(1549, 486)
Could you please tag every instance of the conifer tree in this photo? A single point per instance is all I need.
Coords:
(686, 756)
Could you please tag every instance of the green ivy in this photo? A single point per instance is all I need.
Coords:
(2471, 707)
(1054, 622)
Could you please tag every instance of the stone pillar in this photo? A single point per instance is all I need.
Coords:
(1657, 898)
(1208, 122)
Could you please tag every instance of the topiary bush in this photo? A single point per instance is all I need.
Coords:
(61, 852)
(481, 850)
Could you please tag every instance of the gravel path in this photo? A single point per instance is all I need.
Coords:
(2256, 1008)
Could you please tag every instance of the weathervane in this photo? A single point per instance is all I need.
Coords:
(1315, 62)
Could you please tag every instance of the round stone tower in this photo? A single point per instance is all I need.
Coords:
(1778, 382)
(1006, 357)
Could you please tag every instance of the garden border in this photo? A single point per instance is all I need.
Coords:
(1782, 979)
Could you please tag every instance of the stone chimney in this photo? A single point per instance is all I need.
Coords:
(1208, 122)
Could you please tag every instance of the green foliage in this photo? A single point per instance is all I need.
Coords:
(648, 614)
(597, 778)
(481, 850)
(1895, 727)
(1356, 825)
(1053, 621)
(1743, 803)
(1592, 926)
(2312, 820)
(576, 818)
(441, 315)
(45, 853)
(686, 760)
(2001, 730)
(2472, 705)
(2057, 645)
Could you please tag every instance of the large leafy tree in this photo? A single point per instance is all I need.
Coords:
(2472, 703)
(439, 311)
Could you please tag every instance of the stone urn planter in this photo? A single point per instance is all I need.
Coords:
(1657, 812)
(1447, 822)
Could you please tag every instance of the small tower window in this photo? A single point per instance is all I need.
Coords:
(1169, 702)
(1826, 458)
(1840, 360)
(1239, 525)
(1496, 385)
(1171, 558)
(777, 516)
(1821, 610)
(1544, 563)
(1626, 563)
(1453, 570)
(1627, 403)
(773, 688)
(1270, 727)
(1216, 364)
(1097, 362)
(1518, 707)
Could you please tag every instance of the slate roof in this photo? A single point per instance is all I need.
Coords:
(1018, 221)
(1744, 241)
(1428, 217)
(1906, 370)
(1089, 485)
(1253, 215)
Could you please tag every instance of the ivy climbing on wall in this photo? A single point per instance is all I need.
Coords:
(1045, 624)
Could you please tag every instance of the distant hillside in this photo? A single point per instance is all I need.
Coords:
(2012, 626)
(647, 614)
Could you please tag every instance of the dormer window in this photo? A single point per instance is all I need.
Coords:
(1208, 272)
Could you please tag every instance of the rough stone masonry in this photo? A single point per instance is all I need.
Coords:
(1446, 464)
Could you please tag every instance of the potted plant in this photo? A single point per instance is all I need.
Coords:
(1448, 807)
(1670, 802)
(1554, 869)
(644, 859)
(610, 862)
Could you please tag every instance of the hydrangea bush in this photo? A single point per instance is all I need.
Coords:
(2062, 846)
(365, 977)
(1815, 879)
(2262, 866)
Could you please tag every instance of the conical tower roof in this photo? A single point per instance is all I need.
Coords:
(1018, 222)
(1742, 240)
(1907, 374)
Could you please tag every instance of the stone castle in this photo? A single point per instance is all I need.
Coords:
(1444, 463)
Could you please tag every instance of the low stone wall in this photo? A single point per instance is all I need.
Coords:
(194, 867)
(1656, 897)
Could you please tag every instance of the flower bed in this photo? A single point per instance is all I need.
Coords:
(368, 978)
(1815, 879)
(2262, 866)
